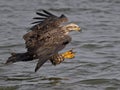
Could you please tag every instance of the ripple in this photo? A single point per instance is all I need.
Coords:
(100, 81)
(91, 46)
(8, 87)
(18, 78)
(96, 66)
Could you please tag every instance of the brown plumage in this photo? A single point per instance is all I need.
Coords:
(45, 39)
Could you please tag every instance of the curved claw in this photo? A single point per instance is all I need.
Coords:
(69, 54)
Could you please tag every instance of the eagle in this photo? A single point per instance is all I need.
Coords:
(45, 39)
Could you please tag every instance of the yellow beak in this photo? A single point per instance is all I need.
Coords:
(78, 29)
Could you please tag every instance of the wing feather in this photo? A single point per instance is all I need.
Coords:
(36, 22)
(39, 18)
(41, 14)
(48, 19)
(48, 13)
(44, 24)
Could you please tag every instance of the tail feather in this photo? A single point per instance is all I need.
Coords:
(16, 57)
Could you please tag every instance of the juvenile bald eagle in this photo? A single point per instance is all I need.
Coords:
(45, 39)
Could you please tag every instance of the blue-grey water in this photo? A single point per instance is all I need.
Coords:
(97, 62)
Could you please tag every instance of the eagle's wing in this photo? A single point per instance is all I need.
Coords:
(47, 20)
(51, 47)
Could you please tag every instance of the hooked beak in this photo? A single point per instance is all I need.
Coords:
(79, 29)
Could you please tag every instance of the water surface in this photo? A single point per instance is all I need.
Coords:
(97, 63)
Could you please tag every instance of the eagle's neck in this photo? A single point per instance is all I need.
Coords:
(65, 30)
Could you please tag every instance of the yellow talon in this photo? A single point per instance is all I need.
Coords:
(68, 54)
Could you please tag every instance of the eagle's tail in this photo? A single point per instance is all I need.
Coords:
(16, 57)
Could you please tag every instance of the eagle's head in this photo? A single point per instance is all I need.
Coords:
(72, 27)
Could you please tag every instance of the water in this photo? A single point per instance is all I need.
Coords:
(97, 63)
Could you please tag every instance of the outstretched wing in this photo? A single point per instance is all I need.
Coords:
(52, 46)
(46, 22)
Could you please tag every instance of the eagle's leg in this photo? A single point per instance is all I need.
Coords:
(58, 58)
(15, 57)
